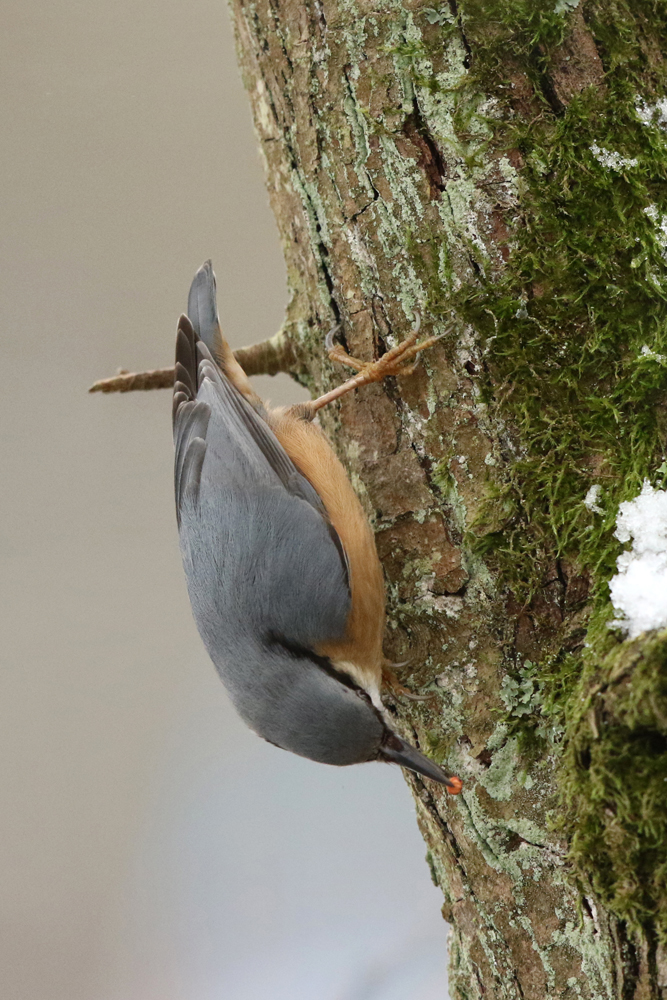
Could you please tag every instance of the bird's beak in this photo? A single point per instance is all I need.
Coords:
(397, 751)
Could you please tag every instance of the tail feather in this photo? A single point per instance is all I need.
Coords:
(204, 322)
(203, 310)
(185, 371)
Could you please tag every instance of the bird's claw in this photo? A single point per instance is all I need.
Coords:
(393, 362)
(391, 681)
(338, 353)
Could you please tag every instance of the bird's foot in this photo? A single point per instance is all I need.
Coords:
(395, 362)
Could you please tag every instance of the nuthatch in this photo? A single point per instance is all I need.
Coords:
(283, 576)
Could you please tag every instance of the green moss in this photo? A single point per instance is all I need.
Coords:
(615, 778)
(583, 296)
(584, 290)
(575, 337)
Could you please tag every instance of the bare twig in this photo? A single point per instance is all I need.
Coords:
(158, 378)
(266, 358)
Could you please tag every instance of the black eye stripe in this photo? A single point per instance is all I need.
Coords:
(323, 662)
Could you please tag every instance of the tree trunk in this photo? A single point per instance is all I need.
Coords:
(500, 168)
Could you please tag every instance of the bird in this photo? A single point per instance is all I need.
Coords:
(283, 576)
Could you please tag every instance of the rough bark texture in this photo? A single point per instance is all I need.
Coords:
(499, 166)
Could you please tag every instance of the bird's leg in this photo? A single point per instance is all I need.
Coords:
(271, 356)
(391, 363)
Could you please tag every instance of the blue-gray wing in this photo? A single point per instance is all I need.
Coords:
(262, 560)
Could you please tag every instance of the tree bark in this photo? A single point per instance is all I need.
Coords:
(501, 168)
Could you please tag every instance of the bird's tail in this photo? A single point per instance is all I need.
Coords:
(203, 314)
(203, 310)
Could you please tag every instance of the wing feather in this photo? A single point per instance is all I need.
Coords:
(226, 459)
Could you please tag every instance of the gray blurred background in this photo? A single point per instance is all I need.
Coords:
(152, 848)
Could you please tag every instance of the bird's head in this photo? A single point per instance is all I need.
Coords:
(299, 701)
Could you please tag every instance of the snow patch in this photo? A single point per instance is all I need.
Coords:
(652, 114)
(591, 500)
(639, 589)
(659, 220)
(650, 355)
(613, 160)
